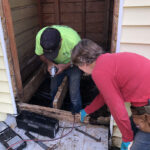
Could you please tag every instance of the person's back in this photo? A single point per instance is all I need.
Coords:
(131, 74)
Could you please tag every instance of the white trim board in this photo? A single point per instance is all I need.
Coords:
(119, 25)
(7, 66)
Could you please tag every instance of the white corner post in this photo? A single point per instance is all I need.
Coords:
(119, 25)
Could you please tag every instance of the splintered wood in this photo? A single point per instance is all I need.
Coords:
(62, 90)
(58, 114)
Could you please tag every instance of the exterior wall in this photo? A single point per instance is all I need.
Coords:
(135, 37)
(25, 19)
(90, 18)
(135, 34)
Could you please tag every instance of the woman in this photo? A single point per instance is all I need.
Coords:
(119, 77)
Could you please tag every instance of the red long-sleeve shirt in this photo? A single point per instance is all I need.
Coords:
(121, 77)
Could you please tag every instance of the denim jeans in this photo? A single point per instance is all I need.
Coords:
(74, 76)
(141, 139)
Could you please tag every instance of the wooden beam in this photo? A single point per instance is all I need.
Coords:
(61, 93)
(39, 13)
(83, 18)
(56, 113)
(106, 23)
(57, 11)
(115, 25)
(10, 31)
(33, 84)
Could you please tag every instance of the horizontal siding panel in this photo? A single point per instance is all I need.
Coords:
(3, 116)
(4, 87)
(3, 75)
(21, 3)
(71, 17)
(48, 8)
(18, 14)
(27, 36)
(25, 25)
(94, 17)
(48, 19)
(71, 7)
(136, 16)
(141, 49)
(2, 64)
(131, 3)
(5, 98)
(95, 6)
(134, 34)
(6, 108)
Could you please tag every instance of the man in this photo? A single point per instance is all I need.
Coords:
(119, 77)
(53, 46)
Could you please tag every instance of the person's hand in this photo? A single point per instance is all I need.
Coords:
(126, 145)
(83, 114)
(61, 67)
(49, 66)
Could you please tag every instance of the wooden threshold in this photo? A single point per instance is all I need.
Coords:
(58, 114)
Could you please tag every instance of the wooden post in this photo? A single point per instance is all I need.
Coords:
(10, 31)
(83, 18)
(57, 11)
(115, 25)
(106, 23)
(39, 12)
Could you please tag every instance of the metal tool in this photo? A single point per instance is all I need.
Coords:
(53, 71)
(85, 133)
(45, 147)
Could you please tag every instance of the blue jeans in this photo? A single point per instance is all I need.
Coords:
(141, 139)
(74, 76)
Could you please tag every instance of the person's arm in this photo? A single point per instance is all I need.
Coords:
(113, 98)
(97, 103)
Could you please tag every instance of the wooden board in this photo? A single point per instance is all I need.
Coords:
(85, 16)
(27, 71)
(22, 3)
(59, 114)
(25, 25)
(48, 8)
(61, 93)
(71, 7)
(33, 84)
(24, 12)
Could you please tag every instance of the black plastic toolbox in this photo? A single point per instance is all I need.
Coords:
(40, 124)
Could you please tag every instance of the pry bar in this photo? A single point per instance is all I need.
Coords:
(85, 133)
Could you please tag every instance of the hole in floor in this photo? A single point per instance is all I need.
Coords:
(88, 93)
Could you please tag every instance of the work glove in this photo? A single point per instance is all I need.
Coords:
(83, 114)
(126, 145)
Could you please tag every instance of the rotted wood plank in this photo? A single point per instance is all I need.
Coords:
(60, 95)
(56, 113)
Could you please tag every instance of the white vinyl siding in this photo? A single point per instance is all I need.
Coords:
(135, 30)
(7, 104)
(135, 38)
